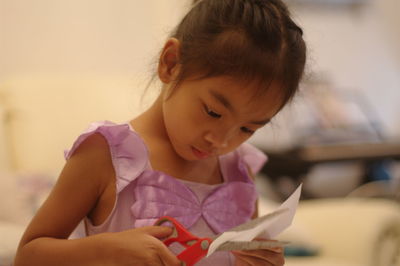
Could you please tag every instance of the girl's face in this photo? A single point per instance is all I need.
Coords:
(213, 116)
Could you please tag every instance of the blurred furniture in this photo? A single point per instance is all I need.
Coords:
(344, 231)
(297, 162)
(10, 235)
(21, 194)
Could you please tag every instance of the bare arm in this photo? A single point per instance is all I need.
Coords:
(77, 193)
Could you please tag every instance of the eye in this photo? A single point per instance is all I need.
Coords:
(211, 112)
(247, 130)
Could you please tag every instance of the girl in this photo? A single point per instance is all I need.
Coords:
(228, 68)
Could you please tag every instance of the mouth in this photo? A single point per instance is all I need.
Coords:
(201, 154)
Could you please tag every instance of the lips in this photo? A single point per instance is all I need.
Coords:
(201, 154)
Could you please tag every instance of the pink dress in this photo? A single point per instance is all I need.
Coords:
(143, 195)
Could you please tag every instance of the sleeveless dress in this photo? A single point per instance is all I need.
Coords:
(143, 194)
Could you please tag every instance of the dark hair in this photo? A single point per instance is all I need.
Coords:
(255, 40)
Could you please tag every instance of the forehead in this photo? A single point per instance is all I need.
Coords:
(246, 97)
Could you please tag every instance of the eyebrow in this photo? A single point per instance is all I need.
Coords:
(222, 99)
(225, 102)
(261, 122)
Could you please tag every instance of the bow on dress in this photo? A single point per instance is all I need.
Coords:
(157, 194)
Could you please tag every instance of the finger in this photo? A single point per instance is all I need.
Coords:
(157, 231)
(263, 255)
(240, 261)
(167, 257)
(275, 250)
(243, 259)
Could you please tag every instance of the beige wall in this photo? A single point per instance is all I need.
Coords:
(83, 36)
(47, 113)
(64, 64)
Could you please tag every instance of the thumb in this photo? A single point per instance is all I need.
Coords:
(165, 255)
(157, 231)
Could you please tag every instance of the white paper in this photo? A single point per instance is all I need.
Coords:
(270, 228)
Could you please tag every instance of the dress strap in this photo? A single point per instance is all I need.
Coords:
(252, 157)
(235, 165)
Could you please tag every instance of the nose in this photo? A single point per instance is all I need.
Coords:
(218, 139)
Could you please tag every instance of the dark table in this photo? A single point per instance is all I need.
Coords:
(297, 162)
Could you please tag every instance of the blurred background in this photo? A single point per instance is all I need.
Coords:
(64, 64)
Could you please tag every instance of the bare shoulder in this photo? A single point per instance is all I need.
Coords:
(95, 146)
(92, 160)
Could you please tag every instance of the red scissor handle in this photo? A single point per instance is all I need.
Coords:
(195, 247)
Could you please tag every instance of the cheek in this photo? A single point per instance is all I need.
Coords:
(235, 142)
(172, 119)
(183, 120)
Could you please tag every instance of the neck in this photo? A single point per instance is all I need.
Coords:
(150, 124)
(151, 127)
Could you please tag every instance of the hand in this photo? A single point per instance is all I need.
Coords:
(140, 246)
(270, 257)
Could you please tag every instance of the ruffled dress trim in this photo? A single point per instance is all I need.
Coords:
(129, 154)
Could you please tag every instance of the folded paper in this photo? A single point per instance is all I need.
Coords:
(269, 228)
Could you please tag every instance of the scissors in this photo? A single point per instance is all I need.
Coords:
(197, 247)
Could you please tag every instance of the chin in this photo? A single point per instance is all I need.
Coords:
(184, 154)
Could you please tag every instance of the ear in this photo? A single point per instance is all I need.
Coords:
(168, 65)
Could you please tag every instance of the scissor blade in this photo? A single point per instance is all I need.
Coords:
(250, 245)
